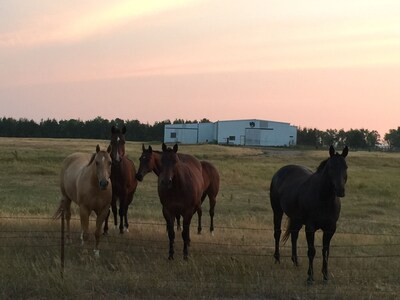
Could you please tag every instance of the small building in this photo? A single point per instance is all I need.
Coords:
(252, 132)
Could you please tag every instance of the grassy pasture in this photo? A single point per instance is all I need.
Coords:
(235, 263)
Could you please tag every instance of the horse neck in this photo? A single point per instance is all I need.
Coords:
(325, 184)
(157, 162)
(91, 173)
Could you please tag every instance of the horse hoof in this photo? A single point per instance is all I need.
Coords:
(212, 233)
(96, 253)
(105, 233)
(186, 257)
(171, 257)
(126, 229)
(310, 281)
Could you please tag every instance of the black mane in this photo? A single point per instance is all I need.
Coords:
(322, 165)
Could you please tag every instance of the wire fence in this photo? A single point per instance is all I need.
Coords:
(53, 238)
(148, 240)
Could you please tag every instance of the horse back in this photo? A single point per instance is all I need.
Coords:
(71, 170)
(285, 186)
(190, 160)
(210, 178)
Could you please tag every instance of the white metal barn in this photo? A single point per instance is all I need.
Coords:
(251, 132)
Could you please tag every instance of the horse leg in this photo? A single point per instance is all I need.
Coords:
(84, 214)
(121, 213)
(186, 235)
(326, 240)
(105, 229)
(294, 235)
(127, 202)
(99, 221)
(114, 210)
(310, 235)
(278, 213)
(212, 207)
(171, 232)
(199, 214)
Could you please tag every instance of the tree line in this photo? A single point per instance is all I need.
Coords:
(97, 128)
(100, 128)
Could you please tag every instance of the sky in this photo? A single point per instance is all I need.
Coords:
(316, 63)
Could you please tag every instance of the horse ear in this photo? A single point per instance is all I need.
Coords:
(124, 129)
(113, 129)
(331, 151)
(150, 149)
(97, 148)
(164, 147)
(109, 149)
(176, 148)
(345, 151)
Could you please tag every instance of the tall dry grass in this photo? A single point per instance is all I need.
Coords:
(235, 263)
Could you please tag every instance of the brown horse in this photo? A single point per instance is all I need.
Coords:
(123, 180)
(180, 186)
(150, 161)
(85, 180)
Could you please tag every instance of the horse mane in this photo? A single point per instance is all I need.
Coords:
(92, 159)
(322, 165)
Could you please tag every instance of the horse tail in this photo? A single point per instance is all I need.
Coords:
(286, 235)
(59, 211)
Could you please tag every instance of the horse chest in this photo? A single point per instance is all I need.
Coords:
(321, 212)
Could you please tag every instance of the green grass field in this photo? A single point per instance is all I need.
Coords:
(236, 262)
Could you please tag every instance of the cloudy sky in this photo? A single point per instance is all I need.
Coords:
(314, 63)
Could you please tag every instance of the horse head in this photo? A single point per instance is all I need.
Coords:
(147, 163)
(169, 159)
(102, 161)
(337, 170)
(117, 143)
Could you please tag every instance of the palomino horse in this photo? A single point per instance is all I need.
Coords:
(85, 180)
(123, 179)
(311, 199)
(180, 186)
(150, 161)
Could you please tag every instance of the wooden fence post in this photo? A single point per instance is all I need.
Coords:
(62, 256)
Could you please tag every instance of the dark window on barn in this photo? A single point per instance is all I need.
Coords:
(173, 135)
(232, 137)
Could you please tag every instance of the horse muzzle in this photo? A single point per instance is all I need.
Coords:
(340, 192)
(103, 184)
(139, 177)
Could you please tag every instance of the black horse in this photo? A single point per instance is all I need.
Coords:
(311, 199)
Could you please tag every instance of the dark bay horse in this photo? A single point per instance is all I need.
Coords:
(150, 161)
(180, 187)
(310, 199)
(85, 180)
(123, 179)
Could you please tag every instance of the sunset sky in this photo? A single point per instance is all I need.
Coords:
(315, 63)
